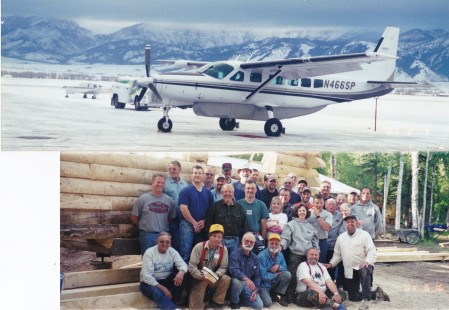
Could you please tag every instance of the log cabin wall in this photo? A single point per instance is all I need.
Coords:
(97, 192)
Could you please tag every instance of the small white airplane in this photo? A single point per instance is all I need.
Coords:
(271, 90)
(85, 89)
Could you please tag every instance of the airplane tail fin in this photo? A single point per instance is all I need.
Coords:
(388, 43)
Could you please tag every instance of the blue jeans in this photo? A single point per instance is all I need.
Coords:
(239, 288)
(188, 238)
(155, 294)
(174, 232)
(147, 240)
(323, 250)
(232, 243)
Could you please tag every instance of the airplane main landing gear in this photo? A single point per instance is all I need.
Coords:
(273, 126)
(227, 124)
(165, 125)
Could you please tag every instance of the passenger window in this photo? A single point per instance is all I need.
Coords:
(292, 82)
(239, 77)
(306, 82)
(317, 83)
(279, 80)
(255, 77)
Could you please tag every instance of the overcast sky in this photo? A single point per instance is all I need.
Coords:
(105, 16)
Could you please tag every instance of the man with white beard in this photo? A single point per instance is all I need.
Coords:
(274, 273)
(245, 273)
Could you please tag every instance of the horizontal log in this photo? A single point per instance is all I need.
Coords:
(147, 161)
(92, 278)
(134, 300)
(95, 202)
(105, 173)
(302, 154)
(73, 217)
(107, 188)
(315, 162)
(395, 249)
(98, 231)
(411, 257)
(284, 170)
(313, 182)
(117, 246)
(102, 290)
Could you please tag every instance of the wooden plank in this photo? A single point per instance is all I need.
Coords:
(95, 202)
(106, 188)
(411, 257)
(85, 245)
(444, 244)
(98, 231)
(105, 173)
(100, 277)
(101, 290)
(74, 217)
(395, 249)
(116, 246)
(135, 300)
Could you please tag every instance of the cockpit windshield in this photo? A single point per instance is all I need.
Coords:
(218, 70)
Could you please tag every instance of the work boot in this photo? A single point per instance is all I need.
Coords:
(381, 295)
(235, 305)
(276, 297)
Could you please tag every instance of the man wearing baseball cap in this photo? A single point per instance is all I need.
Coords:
(356, 249)
(274, 273)
(214, 256)
(216, 192)
(226, 169)
(270, 190)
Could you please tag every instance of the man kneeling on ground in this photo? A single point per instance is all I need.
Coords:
(213, 255)
(159, 280)
(315, 287)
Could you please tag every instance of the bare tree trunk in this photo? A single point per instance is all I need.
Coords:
(431, 194)
(333, 164)
(397, 224)
(424, 203)
(415, 176)
(384, 206)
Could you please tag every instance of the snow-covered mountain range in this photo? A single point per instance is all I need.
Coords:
(423, 54)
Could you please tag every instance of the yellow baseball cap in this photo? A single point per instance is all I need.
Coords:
(216, 228)
(274, 236)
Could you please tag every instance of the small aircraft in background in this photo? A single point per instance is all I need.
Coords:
(271, 90)
(85, 89)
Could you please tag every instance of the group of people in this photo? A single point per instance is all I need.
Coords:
(254, 244)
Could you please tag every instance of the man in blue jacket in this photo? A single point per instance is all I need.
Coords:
(274, 273)
(244, 270)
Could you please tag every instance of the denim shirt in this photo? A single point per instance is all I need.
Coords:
(241, 265)
(266, 262)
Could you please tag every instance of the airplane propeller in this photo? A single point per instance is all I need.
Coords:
(147, 69)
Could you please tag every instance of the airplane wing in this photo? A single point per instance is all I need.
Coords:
(320, 65)
(397, 84)
(184, 63)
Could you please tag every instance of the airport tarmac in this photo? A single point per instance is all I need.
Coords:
(36, 116)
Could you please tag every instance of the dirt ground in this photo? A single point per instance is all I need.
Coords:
(411, 285)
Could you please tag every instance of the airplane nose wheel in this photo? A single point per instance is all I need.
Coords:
(165, 125)
(273, 127)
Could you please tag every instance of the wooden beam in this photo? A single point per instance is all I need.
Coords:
(105, 188)
(395, 249)
(418, 256)
(135, 300)
(105, 173)
(98, 231)
(101, 290)
(116, 246)
(73, 217)
(96, 202)
(100, 277)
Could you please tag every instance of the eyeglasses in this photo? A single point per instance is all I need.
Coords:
(209, 174)
(165, 241)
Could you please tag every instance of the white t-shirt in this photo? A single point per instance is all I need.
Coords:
(279, 219)
(317, 274)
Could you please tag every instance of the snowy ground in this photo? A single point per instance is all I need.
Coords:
(36, 116)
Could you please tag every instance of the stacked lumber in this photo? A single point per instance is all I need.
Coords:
(396, 255)
(303, 164)
(97, 192)
(104, 289)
